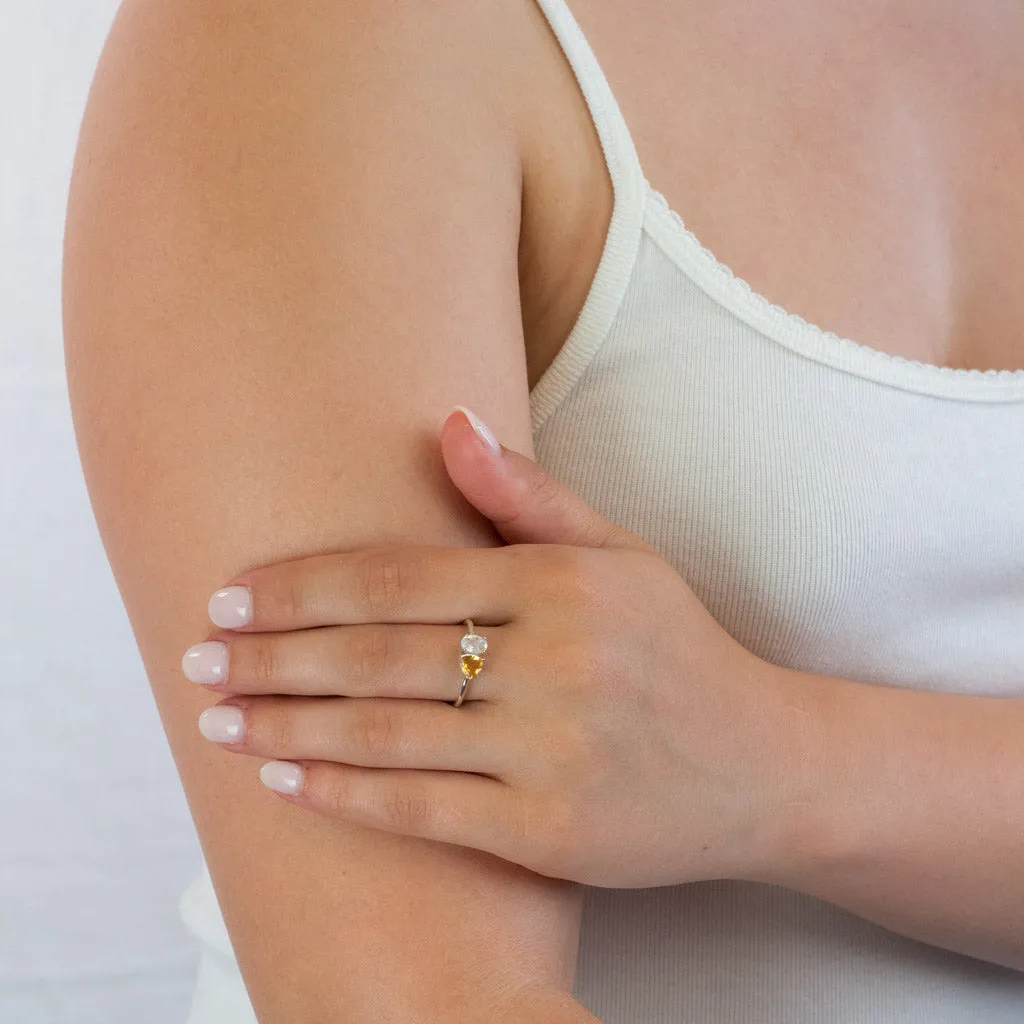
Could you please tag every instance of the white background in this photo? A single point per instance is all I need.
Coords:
(96, 843)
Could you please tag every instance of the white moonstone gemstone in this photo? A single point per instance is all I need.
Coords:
(472, 643)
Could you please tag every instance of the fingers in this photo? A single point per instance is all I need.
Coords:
(415, 583)
(378, 733)
(449, 807)
(525, 503)
(371, 660)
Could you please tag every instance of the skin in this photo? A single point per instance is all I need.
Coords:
(565, 759)
(275, 287)
(891, 172)
(858, 163)
(902, 806)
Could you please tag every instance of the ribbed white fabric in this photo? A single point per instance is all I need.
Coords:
(838, 510)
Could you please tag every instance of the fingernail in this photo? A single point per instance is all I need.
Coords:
(482, 430)
(223, 724)
(206, 662)
(231, 607)
(283, 777)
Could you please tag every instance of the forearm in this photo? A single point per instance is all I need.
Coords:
(916, 817)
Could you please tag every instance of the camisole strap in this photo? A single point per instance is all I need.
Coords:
(623, 239)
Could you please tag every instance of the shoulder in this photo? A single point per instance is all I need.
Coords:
(432, 76)
(380, 138)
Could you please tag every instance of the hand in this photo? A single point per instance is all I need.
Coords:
(617, 735)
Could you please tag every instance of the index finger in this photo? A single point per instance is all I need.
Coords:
(414, 583)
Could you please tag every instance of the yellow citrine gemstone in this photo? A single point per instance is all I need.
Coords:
(471, 665)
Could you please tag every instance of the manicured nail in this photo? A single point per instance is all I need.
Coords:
(482, 430)
(231, 607)
(283, 777)
(223, 724)
(206, 662)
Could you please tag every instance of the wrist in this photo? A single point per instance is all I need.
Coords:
(800, 830)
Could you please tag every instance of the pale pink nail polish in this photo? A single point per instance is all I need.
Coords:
(482, 430)
(283, 777)
(223, 724)
(206, 662)
(231, 607)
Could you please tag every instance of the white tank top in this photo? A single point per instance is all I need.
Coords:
(838, 510)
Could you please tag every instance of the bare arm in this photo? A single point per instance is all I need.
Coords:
(291, 248)
(917, 821)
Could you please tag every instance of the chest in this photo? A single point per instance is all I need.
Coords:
(861, 165)
(829, 522)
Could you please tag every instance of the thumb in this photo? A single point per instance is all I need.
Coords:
(526, 504)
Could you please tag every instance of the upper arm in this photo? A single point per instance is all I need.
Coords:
(291, 247)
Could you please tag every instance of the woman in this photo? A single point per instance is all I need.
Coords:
(746, 732)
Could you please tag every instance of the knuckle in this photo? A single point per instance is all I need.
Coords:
(385, 583)
(332, 793)
(289, 597)
(263, 662)
(406, 806)
(270, 726)
(567, 572)
(369, 656)
(550, 573)
(577, 664)
(544, 490)
(373, 731)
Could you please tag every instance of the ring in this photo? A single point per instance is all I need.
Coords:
(473, 645)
